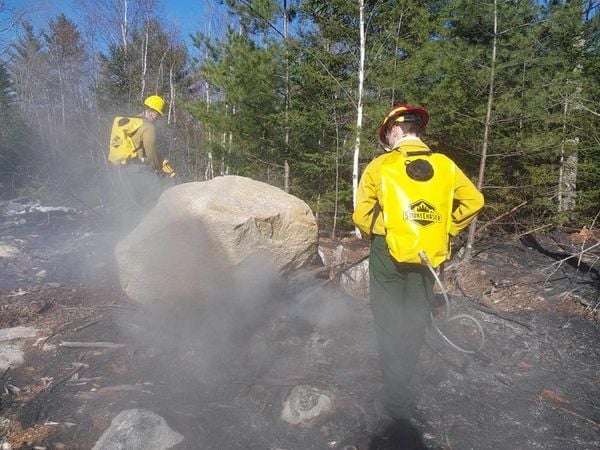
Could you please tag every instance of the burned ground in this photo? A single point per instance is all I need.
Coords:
(535, 384)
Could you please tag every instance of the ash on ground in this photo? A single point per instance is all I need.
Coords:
(304, 354)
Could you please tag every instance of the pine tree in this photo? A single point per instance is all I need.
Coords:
(147, 66)
(15, 138)
(65, 80)
(27, 61)
(246, 72)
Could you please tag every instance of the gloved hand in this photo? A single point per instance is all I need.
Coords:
(167, 169)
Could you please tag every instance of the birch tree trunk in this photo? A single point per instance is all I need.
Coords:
(567, 174)
(124, 26)
(286, 180)
(567, 171)
(144, 62)
(209, 174)
(397, 47)
(486, 131)
(230, 143)
(224, 142)
(63, 106)
(337, 169)
(171, 118)
(359, 107)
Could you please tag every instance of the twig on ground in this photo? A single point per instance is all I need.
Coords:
(89, 324)
(585, 239)
(91, 345)
(560, 262)
(109, 306)
(594, 424)
(477, 305)
(76, 368)
(567, 410)
(111, 389)
(534, 230)
(54, 333)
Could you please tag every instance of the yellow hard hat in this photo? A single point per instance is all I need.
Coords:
(155, 103)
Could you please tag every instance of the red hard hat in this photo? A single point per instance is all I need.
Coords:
(399, 114)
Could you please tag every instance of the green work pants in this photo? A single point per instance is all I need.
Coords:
(139, 189)
(400, 297)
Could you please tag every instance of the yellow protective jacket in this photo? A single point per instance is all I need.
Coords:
(415, 215)
(133, 138)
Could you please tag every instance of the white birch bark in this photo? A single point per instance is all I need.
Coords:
(359, 106)
(337, 169)
(286, 178)
(171, 118)
(144, 61)
(209, 173)
(567, 179)
(230, 143)
(567, 171)
(125, 26)
(223, 142)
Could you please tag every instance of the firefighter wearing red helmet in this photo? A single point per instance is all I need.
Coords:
(409, 201)
(401, 114)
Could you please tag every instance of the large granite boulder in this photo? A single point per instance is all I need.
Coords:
(191, 242)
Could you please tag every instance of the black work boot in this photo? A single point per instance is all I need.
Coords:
(399, 434)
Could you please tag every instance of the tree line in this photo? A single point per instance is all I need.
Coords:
(291, 92)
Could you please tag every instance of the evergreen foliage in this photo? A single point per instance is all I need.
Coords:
(282, 108)
(14, 150)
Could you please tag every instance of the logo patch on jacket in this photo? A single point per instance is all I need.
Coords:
(422, 213)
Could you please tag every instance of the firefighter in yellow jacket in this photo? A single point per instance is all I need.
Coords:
(132, 149)
(409, 200)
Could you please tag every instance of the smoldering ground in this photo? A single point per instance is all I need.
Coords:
(247, 318)
(230, 359)
(227, 369)
(222, 387)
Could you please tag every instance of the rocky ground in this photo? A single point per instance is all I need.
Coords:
(300, 370)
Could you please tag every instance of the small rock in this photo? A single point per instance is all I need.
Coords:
(11, 346)
(324, 258)
(138, 428)
(41, 274)
(355, 281)
(340, 255)
(306, 406)
(8, 251)
(9, 334)
(11, 356)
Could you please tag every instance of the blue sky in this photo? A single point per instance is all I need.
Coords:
(185, 16)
